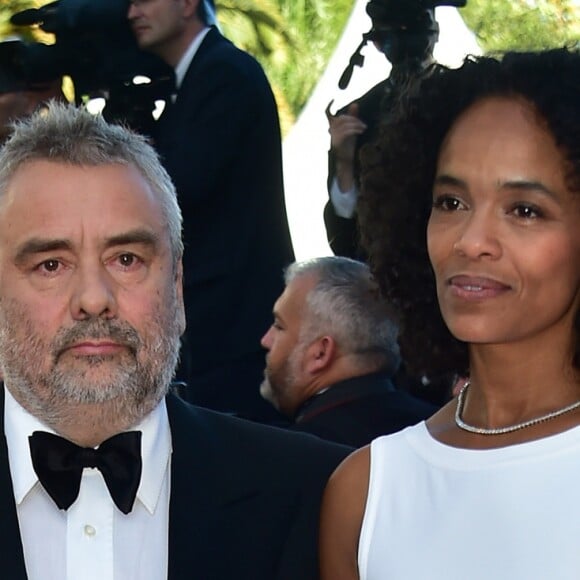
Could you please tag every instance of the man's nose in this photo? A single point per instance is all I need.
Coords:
(133, 10)
(93, 294)
(266, 340)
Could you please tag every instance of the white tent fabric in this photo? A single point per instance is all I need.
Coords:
(306, 146)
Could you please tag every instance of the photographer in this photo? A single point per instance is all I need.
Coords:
(406, 33)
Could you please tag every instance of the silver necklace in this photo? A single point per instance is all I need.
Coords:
(501, 430)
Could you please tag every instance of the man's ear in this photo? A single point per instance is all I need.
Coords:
(320, 354)
(179, 296)
(190, 7)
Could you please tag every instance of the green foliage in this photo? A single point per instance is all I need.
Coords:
(523, 24)
(34, 33)
(315, 27)
(257, 25)
(7, 9)
(292, 39)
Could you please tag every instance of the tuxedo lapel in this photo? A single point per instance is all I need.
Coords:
(212, 38)
(11, 554)
(213, 505)
(174, 112)
(190, 504)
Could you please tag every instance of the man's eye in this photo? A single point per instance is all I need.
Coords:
(127, 260)
(48, 268)
(49, 265)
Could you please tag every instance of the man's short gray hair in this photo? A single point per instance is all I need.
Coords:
(345, 304)
(65, 133)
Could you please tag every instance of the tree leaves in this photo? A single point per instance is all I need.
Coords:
(523, 24)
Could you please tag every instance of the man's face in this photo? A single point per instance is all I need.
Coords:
(90, 298)
(284, 379)
(163, 27)
(402, 46)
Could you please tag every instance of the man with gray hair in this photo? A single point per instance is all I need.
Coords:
(103, 473)
(332, 351)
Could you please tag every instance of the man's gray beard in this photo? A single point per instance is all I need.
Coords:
(277, 384)
(131, 389)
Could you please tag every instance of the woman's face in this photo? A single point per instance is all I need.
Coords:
(504, 232)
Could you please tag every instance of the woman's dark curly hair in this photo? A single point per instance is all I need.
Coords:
(399, 169)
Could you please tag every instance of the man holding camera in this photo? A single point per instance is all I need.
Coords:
(219, 139)
(406, 33)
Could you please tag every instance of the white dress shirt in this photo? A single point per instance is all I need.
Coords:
(344, 202)
(187, 57)
(92, 540)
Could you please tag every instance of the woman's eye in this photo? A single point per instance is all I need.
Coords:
(527, 211)
(447, 203)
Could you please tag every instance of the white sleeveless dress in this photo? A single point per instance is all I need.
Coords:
(435, 512)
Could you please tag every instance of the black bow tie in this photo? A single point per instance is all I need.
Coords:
(59, 465)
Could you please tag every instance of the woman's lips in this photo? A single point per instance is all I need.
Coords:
(476, 287)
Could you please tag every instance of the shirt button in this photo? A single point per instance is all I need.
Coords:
(90, 531)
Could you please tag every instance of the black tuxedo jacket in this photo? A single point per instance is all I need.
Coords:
(244, 499)
(357, 410)
(220, 142)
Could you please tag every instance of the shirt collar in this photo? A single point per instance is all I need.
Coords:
(19, 424)
(187, 57)
(344, 392)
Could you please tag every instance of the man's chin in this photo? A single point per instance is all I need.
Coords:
(96, 379)
(266, 389)
(267, 392)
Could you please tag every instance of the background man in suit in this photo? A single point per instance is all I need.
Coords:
(91, 313)
(332, 351)
(220, 142)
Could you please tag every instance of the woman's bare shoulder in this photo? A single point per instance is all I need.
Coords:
(343, 509)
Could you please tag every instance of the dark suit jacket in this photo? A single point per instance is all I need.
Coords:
(358, 410)
(220, 142)
(244, 499)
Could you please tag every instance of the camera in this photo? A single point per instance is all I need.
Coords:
(415, 15)
(95, 47)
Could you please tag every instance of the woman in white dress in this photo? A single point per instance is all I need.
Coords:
(470, 213)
